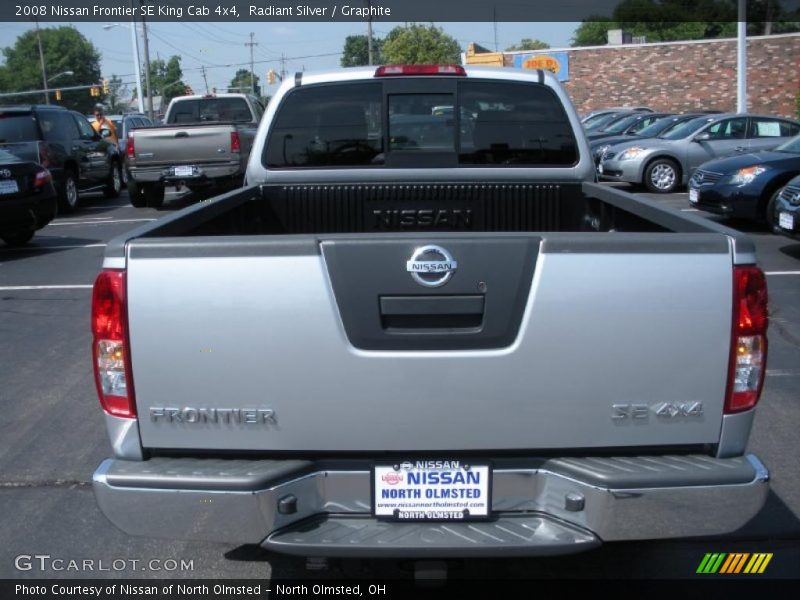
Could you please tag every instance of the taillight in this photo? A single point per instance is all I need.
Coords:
(44, 155)
(130, 149)
(42, 178)
(396, 70)
(236, 144)
(748, 360)
(110, 347)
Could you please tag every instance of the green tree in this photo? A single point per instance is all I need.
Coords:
(528, 44)
(356, 52)
(166, 78)
(672, 20)
(64, 49)
(241, 82)
(416, 44)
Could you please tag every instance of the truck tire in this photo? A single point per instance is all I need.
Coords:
(136, 194)
(662, 176)
(114, 183)
(154, 194)
(17, 238)
(68, 196)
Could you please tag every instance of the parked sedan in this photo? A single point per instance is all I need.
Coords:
(626, 124)
(668, 161)
(787, 210)
(662, 125)
(745, 186)
(588, 117)
(27, 199)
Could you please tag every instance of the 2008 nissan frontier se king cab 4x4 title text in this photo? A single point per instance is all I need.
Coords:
(423, 330)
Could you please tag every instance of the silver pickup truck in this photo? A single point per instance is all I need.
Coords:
(422, 332)
(204, 145)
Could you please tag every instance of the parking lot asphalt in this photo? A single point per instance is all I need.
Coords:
(52, 434)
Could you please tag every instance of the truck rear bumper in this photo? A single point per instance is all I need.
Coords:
(539, 506)
(204, 173)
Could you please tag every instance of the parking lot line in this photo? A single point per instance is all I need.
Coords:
(98, 221)
(11, 288)
(781, 272)
(690, 210)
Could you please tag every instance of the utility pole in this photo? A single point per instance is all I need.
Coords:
(369, 33)
(147, 67)
(135, 40)
(283, 66)
(251, 43)
(205, 79)
(741, 59)
(494, 21)
(41, 59)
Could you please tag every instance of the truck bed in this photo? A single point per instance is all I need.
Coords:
(598, 290)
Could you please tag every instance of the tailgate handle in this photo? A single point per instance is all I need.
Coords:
(422, 313)
(181, 134)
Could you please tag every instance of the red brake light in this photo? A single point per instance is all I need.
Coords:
(748, 339)
(396, 70)
(130, 148)
(110, 347)
(42, 178)
(236, 144)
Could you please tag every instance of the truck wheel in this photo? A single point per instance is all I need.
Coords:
(661, 176)
(68, 196)
(136, 193)
(154, 195)
(18, 238)
(114, 185)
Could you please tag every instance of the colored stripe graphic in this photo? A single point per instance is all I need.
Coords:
(729, 563)
(765, 563)
(758, 564)
(703, 564)
(735, 563)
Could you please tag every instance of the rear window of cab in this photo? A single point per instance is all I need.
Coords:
(480, 123)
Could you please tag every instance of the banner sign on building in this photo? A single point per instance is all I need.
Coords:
(557, 62)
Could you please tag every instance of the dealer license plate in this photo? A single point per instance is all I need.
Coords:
(786, 221)
(8, 187)
(184, 171)
(694, 196)
(432, 490)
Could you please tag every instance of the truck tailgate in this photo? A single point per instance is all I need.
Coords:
(184, 145)
(600, 340)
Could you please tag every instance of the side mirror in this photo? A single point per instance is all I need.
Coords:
(702, 137)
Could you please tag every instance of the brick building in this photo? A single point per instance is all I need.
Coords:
(677, 76)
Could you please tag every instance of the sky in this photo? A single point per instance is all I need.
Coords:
(306, 46)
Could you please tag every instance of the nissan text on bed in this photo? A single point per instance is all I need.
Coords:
(419, 332)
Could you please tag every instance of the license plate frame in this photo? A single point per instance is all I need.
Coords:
(184, 171)
(9, 186)
(786, 221)
(421, 508)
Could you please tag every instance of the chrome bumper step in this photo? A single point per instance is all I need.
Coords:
(345, 536)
